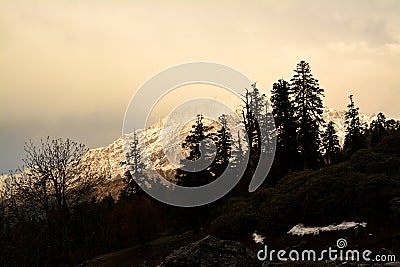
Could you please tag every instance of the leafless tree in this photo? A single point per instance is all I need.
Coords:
(54, 179)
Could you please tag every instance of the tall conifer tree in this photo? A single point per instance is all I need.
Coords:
(192, 144)
(355, 138)
(135, 170)
(307, 99)
(285, 123)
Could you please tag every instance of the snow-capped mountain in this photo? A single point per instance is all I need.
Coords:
(109, 159)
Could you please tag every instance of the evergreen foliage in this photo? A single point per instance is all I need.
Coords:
(135, 169)
(330, 143)
(355, 137)
(192, 145)
(307, 102)
(285, 123)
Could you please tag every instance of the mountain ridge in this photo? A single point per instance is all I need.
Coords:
(109, 159)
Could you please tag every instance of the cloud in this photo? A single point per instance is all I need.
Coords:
(66, 59)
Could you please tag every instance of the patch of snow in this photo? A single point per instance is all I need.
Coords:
(258, 238)
(301, 229)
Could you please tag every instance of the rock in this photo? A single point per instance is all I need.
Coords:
(267, 264)
(392, 264)
(211, 251)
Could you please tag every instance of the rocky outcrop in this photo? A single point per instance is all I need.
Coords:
(211, 251)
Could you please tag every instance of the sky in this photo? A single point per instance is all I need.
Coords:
(70, 68)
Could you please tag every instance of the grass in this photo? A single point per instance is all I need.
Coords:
(152, 252)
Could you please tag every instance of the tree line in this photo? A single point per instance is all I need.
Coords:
(304, 140)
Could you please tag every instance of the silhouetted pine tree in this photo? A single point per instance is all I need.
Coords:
(377, 129)
(268, 130)
(260, 130)
(192, 144)
(307, 99)
(355, 138)
(392, 125)
(330, 143)
(196, 216)
(135, 170)
(258, 124)
(238, 154)
(286, 125)
(223, 142)
(254, 104)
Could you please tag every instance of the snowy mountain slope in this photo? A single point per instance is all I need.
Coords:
(109, 159)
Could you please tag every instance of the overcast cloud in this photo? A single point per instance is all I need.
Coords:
(69, 68)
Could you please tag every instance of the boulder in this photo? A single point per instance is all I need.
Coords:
(392, 264)
(211, 251)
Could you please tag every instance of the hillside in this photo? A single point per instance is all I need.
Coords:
(365, 189)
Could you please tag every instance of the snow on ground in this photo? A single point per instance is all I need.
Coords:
(258, 238)
(301, 229)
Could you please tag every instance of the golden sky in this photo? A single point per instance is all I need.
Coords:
(69, 68)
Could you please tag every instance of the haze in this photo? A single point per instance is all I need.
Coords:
(69, 68)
